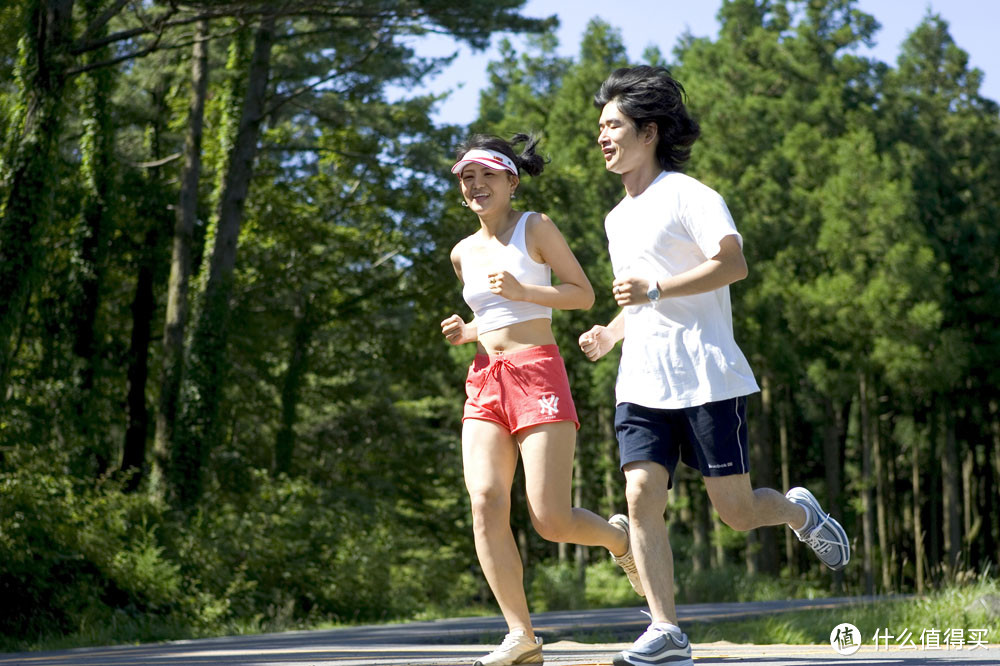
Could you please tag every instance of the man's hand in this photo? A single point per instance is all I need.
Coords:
(630, 291)
(597, 342)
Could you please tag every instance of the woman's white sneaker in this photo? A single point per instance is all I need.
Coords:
(516, 648)
(626, 561)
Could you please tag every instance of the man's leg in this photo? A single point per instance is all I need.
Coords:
(646, 485)
(744, 508)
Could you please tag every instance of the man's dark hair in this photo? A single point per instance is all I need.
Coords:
(651, 95)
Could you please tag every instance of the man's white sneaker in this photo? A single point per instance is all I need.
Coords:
(516, 648)
(656, 647)
(821, 532)
(626, 561)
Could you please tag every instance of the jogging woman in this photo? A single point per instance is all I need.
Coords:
(519, 400)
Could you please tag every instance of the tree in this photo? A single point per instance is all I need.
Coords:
(176, 318)
(24, 212)
(945, 134)
(368, 39)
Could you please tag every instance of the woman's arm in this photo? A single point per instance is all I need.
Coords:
(546, 244)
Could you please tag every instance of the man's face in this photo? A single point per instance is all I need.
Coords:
(625, 148)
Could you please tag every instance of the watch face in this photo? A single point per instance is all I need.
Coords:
(653, 294)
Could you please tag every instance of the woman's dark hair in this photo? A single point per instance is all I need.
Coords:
(528, 160)
(651, 95)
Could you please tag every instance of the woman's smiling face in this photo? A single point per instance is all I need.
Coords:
(484, 189)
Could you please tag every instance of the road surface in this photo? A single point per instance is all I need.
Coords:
(458, 642)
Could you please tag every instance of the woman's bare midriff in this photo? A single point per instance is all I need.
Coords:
(522, 335)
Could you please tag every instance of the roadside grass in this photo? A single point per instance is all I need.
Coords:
(975, 605)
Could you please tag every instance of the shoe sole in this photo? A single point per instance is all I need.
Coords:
(523, 658)
(621, 660)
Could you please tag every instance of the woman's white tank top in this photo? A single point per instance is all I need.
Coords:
(492, 310)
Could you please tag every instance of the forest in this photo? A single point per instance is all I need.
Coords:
(225, 401)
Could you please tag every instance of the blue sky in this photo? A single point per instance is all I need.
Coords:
(973, 25)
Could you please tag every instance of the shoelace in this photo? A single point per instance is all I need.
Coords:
(651, 633)
(494, 372)
(510, 641)
(627, 562)
(648, 636)
(817, 543)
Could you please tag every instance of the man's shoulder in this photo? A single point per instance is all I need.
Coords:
(678, 181)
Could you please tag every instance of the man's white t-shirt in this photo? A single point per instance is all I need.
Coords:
(679, 352)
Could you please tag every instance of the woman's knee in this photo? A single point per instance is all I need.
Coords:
(489, 505)
(553, 526)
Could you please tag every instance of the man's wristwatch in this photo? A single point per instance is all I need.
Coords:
(654, 292)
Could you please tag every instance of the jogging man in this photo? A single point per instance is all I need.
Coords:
(683, 381)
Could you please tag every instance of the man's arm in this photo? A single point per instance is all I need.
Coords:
(725, 268)
(599, 340)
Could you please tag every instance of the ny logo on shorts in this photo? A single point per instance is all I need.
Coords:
(549, 406)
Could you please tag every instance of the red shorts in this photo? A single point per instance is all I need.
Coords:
(520, 389)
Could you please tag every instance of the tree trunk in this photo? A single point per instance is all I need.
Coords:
(881, 511)
(996, 480)
(868, 508)
(970, 526)
(297, 364)
(702, 518)
(934, 527)
(767, 554)
(752, 552)
(919, 554)
(91, 252)
(172, 370)
(783, 408)
(27, 208)
(143, 308)
(613, 479)
(719, 551)
(951, 494)
(207, 374)
(833, 447)
(991, 477)
(156, 210)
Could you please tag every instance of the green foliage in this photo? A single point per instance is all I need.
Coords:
(75, 557)
(732, 583)
(291, 554)
(556, 587)
(866, 195)
(607, 586)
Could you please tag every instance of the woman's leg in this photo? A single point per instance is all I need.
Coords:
(489, 455)
(547, 455)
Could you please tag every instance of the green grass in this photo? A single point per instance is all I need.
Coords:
(960, 607)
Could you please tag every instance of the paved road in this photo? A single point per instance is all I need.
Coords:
(457, 642)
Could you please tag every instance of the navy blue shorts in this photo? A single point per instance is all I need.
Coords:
(711, 438)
